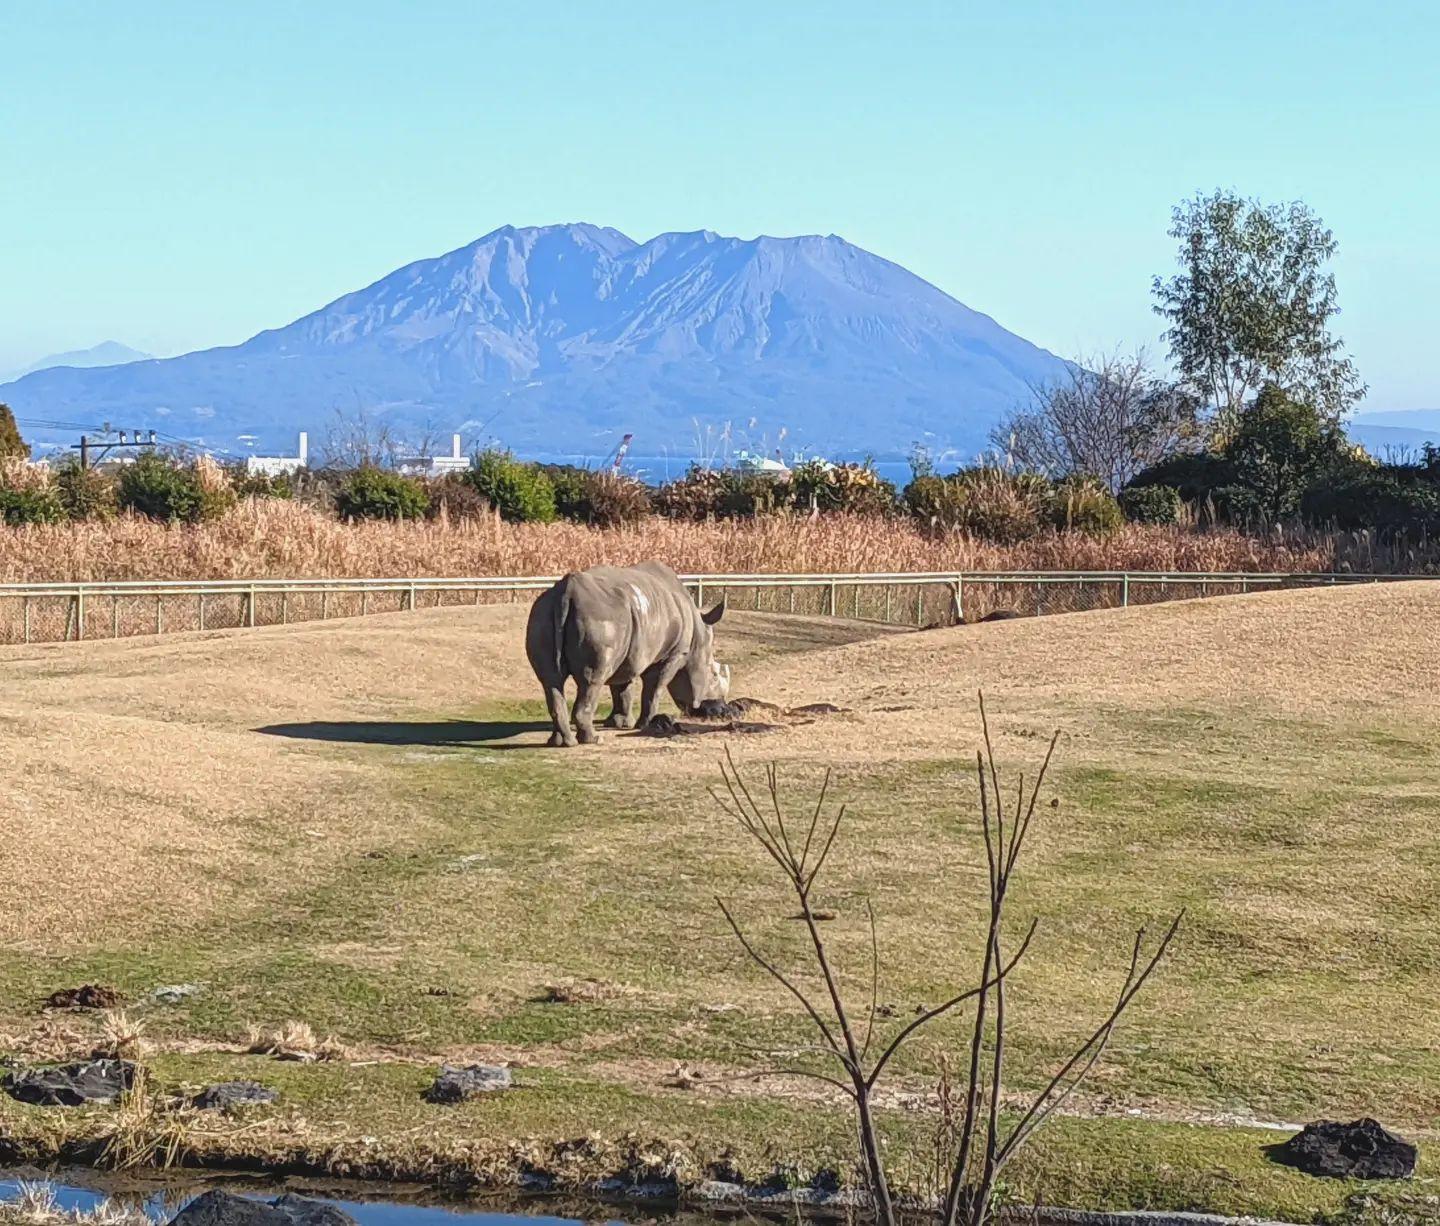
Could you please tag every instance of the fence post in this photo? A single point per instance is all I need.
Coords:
(412, 598)
(1244, 585)
(114, 617)
(250, 610)
(919, 604)
(79, 614)
(1125, 590)
(25, 617)
(960, 598)
(700, 592)
(202, 610)
(159, 613)
(832, 597)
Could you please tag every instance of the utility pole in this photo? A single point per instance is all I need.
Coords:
(88, 447)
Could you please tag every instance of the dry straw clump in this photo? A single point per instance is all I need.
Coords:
(272, 538)
(293, 1041)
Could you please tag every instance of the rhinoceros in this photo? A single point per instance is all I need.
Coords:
(611, 625)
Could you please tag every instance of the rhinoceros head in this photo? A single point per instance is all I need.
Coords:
(703, 676)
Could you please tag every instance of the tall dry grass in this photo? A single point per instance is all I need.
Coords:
(276, 539)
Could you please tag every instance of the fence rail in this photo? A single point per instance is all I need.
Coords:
(61, 612)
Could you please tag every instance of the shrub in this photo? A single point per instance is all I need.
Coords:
(988, 501)
(157, 487)
(1194, 475)
(260, 485)
(1151, 504)
(854, 488)
(30, 506)
(378, 493)
(455, 500)
(722, 493)
(598, 496)
(1379, 499)
(1081, 504)
(521, 492)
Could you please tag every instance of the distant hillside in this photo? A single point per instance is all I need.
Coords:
(561, 338)
(106, 353)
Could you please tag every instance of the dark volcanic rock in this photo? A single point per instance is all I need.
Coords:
(455, 1085)
(227, 1095)
(71, 1085)
(663, 725)
(714, 708)
(89, 996)
(1362, 1150)
(219, 1208)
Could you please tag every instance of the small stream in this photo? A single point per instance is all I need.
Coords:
(161, 1197)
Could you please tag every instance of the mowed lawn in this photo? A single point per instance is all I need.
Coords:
(355, 826)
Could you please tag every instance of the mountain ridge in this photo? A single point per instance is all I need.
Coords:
(566, 336)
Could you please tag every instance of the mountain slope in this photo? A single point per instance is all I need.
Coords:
(559, 338)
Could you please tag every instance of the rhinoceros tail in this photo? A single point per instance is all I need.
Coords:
(562, 615)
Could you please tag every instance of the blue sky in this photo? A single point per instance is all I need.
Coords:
(183, 175)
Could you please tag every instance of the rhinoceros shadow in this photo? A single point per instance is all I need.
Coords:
(448, 733)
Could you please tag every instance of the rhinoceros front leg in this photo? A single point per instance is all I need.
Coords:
(622, 714)
(585, 703)
(652, 681)
(559, 716)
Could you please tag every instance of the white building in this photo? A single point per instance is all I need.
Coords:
(280, 465)
(437, 465)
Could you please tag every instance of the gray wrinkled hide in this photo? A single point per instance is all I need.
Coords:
(611, 626)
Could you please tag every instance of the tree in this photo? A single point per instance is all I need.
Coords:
(11, 444)
(1280, 447)
(1252, 305)
(1109, 417)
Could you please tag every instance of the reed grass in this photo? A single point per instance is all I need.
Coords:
(278, 539)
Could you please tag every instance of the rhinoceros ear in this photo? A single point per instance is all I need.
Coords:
(711, 616)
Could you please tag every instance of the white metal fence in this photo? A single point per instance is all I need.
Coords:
(60, 612)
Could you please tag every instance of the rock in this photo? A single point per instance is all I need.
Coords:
(748, 706)
(90, 996)
(228, 1095)
(714, 708)
(1000, 615)
(175, 993)
(456, 1085)
(662, 725)
(817, 708)
(219, 1208)
(1362, 1150)
(71, 1085)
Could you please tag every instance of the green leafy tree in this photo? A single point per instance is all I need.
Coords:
(1252, 304)
(11, 444)
(1281, 446)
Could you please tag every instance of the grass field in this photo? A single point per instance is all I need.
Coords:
(352, 825)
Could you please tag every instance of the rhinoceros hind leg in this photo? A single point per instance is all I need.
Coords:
(559, 717)
(585, 703)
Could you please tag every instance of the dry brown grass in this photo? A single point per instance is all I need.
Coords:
(274, 539)
(294, 1041)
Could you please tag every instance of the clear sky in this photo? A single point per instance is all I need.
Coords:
(177, 175)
